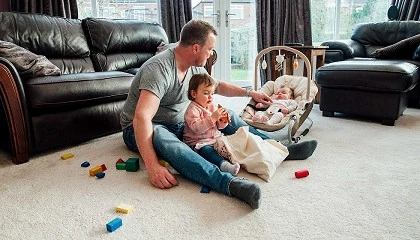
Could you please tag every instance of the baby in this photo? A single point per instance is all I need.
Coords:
(283, 103)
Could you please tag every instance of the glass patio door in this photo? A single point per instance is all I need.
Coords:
(236, 44)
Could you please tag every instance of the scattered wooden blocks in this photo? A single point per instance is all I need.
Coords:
(168, 166)
(85, 164)
(120, 166)
(103, 167)
(132, 165)
(124, 208)
(67, 156)
(120, 161)
(164, 163)
(95, 170)
(302, 173)
(205, 189)
(114, 224)
(100, 175)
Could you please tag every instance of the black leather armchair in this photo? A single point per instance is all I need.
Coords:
(356, 80)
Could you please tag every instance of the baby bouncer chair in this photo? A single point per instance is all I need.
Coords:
(304, 90)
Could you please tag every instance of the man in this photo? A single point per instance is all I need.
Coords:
(153, 115)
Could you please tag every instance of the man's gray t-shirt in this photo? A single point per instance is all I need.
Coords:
(159, 76)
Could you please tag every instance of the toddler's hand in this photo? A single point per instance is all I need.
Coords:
(259, 105)
(218, 113)
(285, 111)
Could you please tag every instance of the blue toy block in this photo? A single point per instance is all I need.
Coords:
(85, 164)
(205, 189)
(100, 175)
(114, 224)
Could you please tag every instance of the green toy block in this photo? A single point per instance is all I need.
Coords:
(132, 165)
(120, 166)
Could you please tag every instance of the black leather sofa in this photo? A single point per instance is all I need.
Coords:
(374, 74)
(97, 58)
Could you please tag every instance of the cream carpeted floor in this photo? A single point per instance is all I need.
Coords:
(363, 184)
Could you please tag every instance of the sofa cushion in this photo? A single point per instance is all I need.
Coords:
(369, 75)
(61, 40)
(26, 62)
(400, 50)
(122, 44)
(75, 90)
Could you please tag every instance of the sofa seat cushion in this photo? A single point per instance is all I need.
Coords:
(81, 89)
(369, 75)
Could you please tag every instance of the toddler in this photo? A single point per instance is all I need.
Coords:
(203, 121)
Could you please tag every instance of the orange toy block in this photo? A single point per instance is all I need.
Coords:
(95, 170)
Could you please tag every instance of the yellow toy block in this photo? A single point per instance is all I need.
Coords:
(67, 156)
(95, 170)
(164, 163)
(124, 208)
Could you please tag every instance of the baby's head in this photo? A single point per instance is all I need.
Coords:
(284, 93)
(201, 84)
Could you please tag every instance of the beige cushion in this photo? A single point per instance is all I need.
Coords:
(26, 62)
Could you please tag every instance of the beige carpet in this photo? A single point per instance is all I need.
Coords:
(363, 184)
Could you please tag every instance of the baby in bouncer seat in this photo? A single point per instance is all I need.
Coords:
(283, 103)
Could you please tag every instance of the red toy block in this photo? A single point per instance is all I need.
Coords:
(302, 173)
(103, 167)
(120, 161)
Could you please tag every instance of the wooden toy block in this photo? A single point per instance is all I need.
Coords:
(114, 224)
(103, 167)
(100, 175)
(302, 173)
(120, 166)
(205, 189)
(132, 165)
(95, 170)
(67, 156)
(124, 208)
(120, 161)
(85, 164)
(164, 163)
(168, 166)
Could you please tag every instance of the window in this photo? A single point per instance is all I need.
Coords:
(336, 19)
(238, 11)
(145, 10)
(208, 11)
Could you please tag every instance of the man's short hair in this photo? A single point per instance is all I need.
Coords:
(196, 32)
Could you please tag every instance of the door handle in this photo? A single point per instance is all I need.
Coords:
(217, 17)
(227, 17)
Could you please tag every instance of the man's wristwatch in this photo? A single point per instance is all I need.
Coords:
(248, 91)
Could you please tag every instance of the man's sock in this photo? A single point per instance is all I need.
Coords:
(246, 191)
(302, 150)
(233, 169)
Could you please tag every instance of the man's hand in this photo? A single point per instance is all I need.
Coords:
(260, 97)
(160, 177)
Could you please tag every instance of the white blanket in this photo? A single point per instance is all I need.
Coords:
(254, 154)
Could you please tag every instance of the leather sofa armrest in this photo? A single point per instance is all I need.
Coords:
(348, 47)
(14, 105)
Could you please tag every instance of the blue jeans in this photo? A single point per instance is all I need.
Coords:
(210, 154)
(167, 141)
